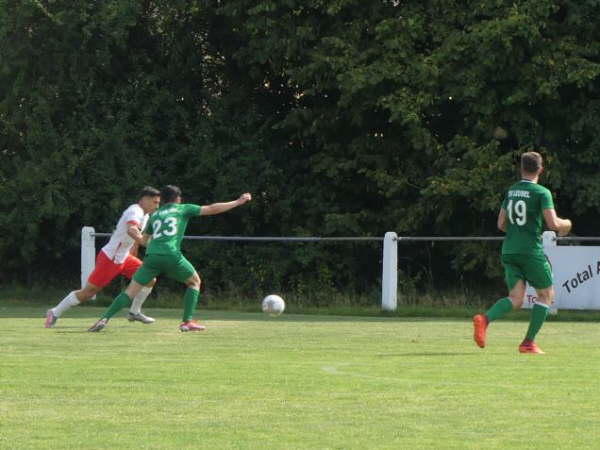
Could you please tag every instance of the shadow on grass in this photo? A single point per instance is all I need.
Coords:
(12, 311)
(75, 330)
(24, 309)
(426, 354)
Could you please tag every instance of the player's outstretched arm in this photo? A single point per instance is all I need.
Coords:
(555, 223)
(218, 208)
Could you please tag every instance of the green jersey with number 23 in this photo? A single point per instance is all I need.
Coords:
(524, 205)
(167, 226)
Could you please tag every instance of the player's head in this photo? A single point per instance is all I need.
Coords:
(149, 199)
(531, 163)
(170, 194)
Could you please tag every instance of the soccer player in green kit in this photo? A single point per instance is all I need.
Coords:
(526, 206)
(164, 231)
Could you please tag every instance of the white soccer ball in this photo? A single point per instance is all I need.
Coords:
(273, 305)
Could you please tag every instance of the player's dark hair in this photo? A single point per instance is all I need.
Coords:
(149, 191)
(531, 162)
(169, 193)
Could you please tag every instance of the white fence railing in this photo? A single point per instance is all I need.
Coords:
(388, 300)
(575, 281)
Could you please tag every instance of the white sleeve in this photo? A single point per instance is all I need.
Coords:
(133, 215)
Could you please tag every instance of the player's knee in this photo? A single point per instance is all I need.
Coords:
(546, 298)
(194, 282)
(133, 289)
(87, 292)
(516, 301)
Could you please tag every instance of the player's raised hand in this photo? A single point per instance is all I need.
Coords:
(245, 198)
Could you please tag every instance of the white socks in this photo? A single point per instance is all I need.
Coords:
(71, 300)
(66, 303)
(138, 300)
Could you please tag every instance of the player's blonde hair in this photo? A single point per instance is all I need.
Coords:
(531, 162)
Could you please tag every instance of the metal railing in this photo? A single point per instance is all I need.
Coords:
(389, 289)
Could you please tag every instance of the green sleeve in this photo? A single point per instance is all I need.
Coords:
(547, 202)
(148, 228)
(192, 210)
(503, 206)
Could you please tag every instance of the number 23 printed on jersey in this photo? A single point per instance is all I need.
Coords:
(166, 228)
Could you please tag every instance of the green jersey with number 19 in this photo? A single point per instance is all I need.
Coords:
(167, 226)
(524, 205)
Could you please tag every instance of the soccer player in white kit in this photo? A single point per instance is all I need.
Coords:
(115, 258)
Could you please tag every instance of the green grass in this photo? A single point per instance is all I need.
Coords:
(297, 381)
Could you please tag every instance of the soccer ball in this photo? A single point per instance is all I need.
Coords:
(273, 305)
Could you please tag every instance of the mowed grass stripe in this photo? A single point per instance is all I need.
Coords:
(296, 381)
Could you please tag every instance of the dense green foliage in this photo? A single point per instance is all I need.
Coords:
(342, 117)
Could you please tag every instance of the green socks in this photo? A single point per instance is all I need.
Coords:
(499, 309)
(538, 316)
(190, 300)
(122, 300)
(504, 306)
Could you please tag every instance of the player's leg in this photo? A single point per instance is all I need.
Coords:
(73, 298)
(135, 310)
(121, 301)
(539, 274)
(104, 272)
(182, 270)
(130, 267)
(190, 301)
(503, 306)
(515, 283)
(142, 277)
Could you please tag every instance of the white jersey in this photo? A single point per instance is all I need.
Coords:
(120, 242)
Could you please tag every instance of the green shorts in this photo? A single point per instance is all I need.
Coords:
(534, 269)
(173, 266)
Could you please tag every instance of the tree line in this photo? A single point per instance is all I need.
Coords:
(342, 117)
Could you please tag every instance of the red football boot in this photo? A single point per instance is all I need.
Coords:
(480, 323)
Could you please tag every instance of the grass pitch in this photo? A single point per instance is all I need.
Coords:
(298, 382)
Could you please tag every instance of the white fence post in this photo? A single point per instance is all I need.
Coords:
(389, 289)
(88, 253)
